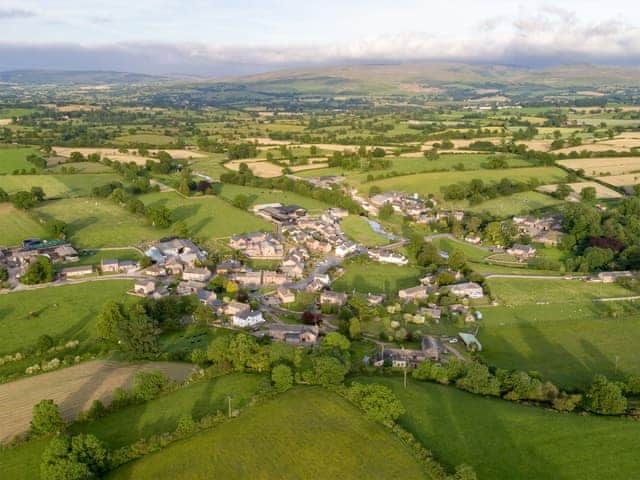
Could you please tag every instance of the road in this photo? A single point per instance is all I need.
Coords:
(59, 283)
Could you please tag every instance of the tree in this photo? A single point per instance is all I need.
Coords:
(374, 190)
(282, 378)
(377, 401)
(563, 191)
(44, 343)
(160, 216)
(605, 397)
(23, 200)
(241, 201)
(46, 418)
(108, 320)
(355, 331)
(77, 458)
(57, 229)
(457, 260)
(335, 341)
(386, 211)
(478, 379)
(148, 385)
(588, 194)
(136, 333)
(326, 371)
(39, 271)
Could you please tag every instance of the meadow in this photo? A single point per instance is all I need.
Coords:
(505, 440)
(554, 327)
(305, 433)
(357, 228)
(12, 158)
(518, 203)
(369, 277)
(16, 225)
(56, 186)
(264, 195)
(64, 312)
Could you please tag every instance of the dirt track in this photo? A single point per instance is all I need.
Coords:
(73, 389)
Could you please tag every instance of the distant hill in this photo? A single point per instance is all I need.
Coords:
(72, 77)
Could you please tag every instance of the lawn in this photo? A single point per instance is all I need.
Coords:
(305, 433)
(94, 223)
(554, 327)
(357, 228)
(16, 225)
(65, 312)
(504, 440)
(365, 277)
(208, 217)
(265, 195)
(55, 186)
(14, 159)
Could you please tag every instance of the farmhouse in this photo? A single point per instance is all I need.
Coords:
(297, 335)
(522, 251)
(413, 293)
(110, 266)
(384, 256)
(66, 253)
(144, 287)
(285, 295)
(247, 319)
(182, 248)
(328, 297)
(196, 274)
(280, 214)
(432, 347)
(469, 289)
(74, 272)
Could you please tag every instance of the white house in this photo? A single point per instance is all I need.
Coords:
(346, 248)
(247, 319)
(414, 293)
(196, 274)
(469, 289)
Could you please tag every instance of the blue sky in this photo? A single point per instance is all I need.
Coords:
(218, 37)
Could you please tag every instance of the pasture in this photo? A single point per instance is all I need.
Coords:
(554, 327)
(260, 168)
(229, 191)
(597, 167)
(370, 277)
(357, 228)
(602, 192)
(73, 389)
(12, 158)
(57, 186)
(64, 312)
(459, 427)
(518, 203)
(16, 225)
(330, 439)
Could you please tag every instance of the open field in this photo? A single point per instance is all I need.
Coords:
(597, 167)
(357, 228)
(326, 438)
(554, 327)
(260, 168)
(64, 312)
(264, 195)
(16, 225)
(601, 191)
(208, 217)
(94, 223)
(522, 202)
(627, 180)
(12, 158)
(144, 138)
(371, 277)
(431, 183)
(80, 167)
(622, 143)
(132, 156)
(459, 427)
(73, 389)
(56, 186)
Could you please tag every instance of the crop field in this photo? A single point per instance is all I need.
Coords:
(208, 217)
(94, 223)
(14, 159)
(431, 183)
(597, 167)
(601, 191)
(63, 312)
(618, 144)
(459, 427)
(260, 168)
(555, 327)
(16, 225)
(56, 186)
(132, 156)
(627, 180)
(358, 229)
(370, 277)
(264, 195)
(305, 433)
(73, 389)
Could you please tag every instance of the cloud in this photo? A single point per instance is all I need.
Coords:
(545, 36)
(15, 13)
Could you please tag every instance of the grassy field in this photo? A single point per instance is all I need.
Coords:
(16, 225)
(365, 277)
(208, 217)
(144, 138)
(554, 327)
(66, 312)
(97, 256)
(82, 167)
(459, 427)
(358, 229)
(14, 159)
(306, 433)
(56, 186)
(94, 223)
(263, 195)
(518, 203)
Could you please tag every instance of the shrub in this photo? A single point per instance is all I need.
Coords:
(282, 378)
(148, 385)
(46, 418)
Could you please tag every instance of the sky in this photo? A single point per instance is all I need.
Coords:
(217, 38)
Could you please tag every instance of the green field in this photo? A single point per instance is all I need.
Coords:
(14, 159)
(94, 223)
(358, 229)
(154, 417)
(16, 225)
(370, 277)
(56, 186)
(65, 313)
(208, 217)
(145, 138)
(554, 327)
(264, 195)
(515, 204)
(431, 183)
(533, 442)
(83, 167)
(97, 256)
(305, 433)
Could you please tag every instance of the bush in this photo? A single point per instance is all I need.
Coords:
(46, 418)
(377, 401)
(148, 385)
(76, 458)
(605, 397)
(282, 378)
